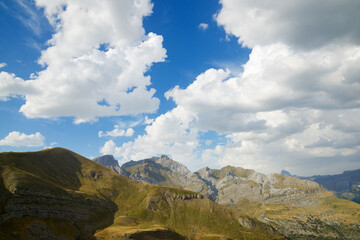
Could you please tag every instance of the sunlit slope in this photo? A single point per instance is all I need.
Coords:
(299, 209)
(56, 193)
(315, 215)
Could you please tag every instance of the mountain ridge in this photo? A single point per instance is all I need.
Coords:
(299, 209)
(58, 194)
(346, 185)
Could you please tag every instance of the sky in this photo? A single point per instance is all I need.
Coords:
(265, 85)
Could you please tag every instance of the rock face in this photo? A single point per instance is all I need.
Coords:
(345, 185)
(299, 209)
(225, 186)
(110, 162)
(229, 185)
(163, 171)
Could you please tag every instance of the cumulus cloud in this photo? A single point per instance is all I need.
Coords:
(203, 26)
(171, 133)
(303, 24)
(95, 62)
(313, 79)
(294, 105)
(18, 139)
(11, 86)
(3, 65)
(148, 120)
(117, 132)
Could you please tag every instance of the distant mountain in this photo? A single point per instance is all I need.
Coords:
(345, 185)
(58, 194)
(286, 173)
(299, 209)
(110, 162)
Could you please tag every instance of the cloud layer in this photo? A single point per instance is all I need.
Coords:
(95, 62)
(18, 139)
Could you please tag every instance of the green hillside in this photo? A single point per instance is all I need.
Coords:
(58, 194)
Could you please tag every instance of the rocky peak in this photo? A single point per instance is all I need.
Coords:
(203, 171)
(107, 160)
(164, 157)
(174, 166)
(110, 162)
(285, 173)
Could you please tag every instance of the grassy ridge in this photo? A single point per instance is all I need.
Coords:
(60, 193)
(331, 218)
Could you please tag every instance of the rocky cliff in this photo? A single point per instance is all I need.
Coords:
(110, 162)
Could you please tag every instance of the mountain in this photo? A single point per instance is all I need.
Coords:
(163, 171)
(58, 194)
(110, 162)
(286, 173)
(299, 209)
(345, 185)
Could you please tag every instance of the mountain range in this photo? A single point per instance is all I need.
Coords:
(58, 194)
(345, 185)
(297, 208)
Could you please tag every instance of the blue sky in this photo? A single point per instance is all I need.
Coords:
(261, 85)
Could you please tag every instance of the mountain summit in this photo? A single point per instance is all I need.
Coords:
(110, 162)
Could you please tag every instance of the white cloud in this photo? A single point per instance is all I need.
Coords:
(18, 139)
(11, 86)
(53, 144)
(117, 132)
(3, 65)
(303, 24)
(203, 26)
(95, 62)
(317, 79)
(294, 105)
(148, 121)
(171, 134)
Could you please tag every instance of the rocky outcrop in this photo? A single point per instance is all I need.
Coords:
(230, 184)
(71, 209)
(163, 171)
(110, 162)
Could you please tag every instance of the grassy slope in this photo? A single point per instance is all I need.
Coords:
(330, 214)
(107, 198)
